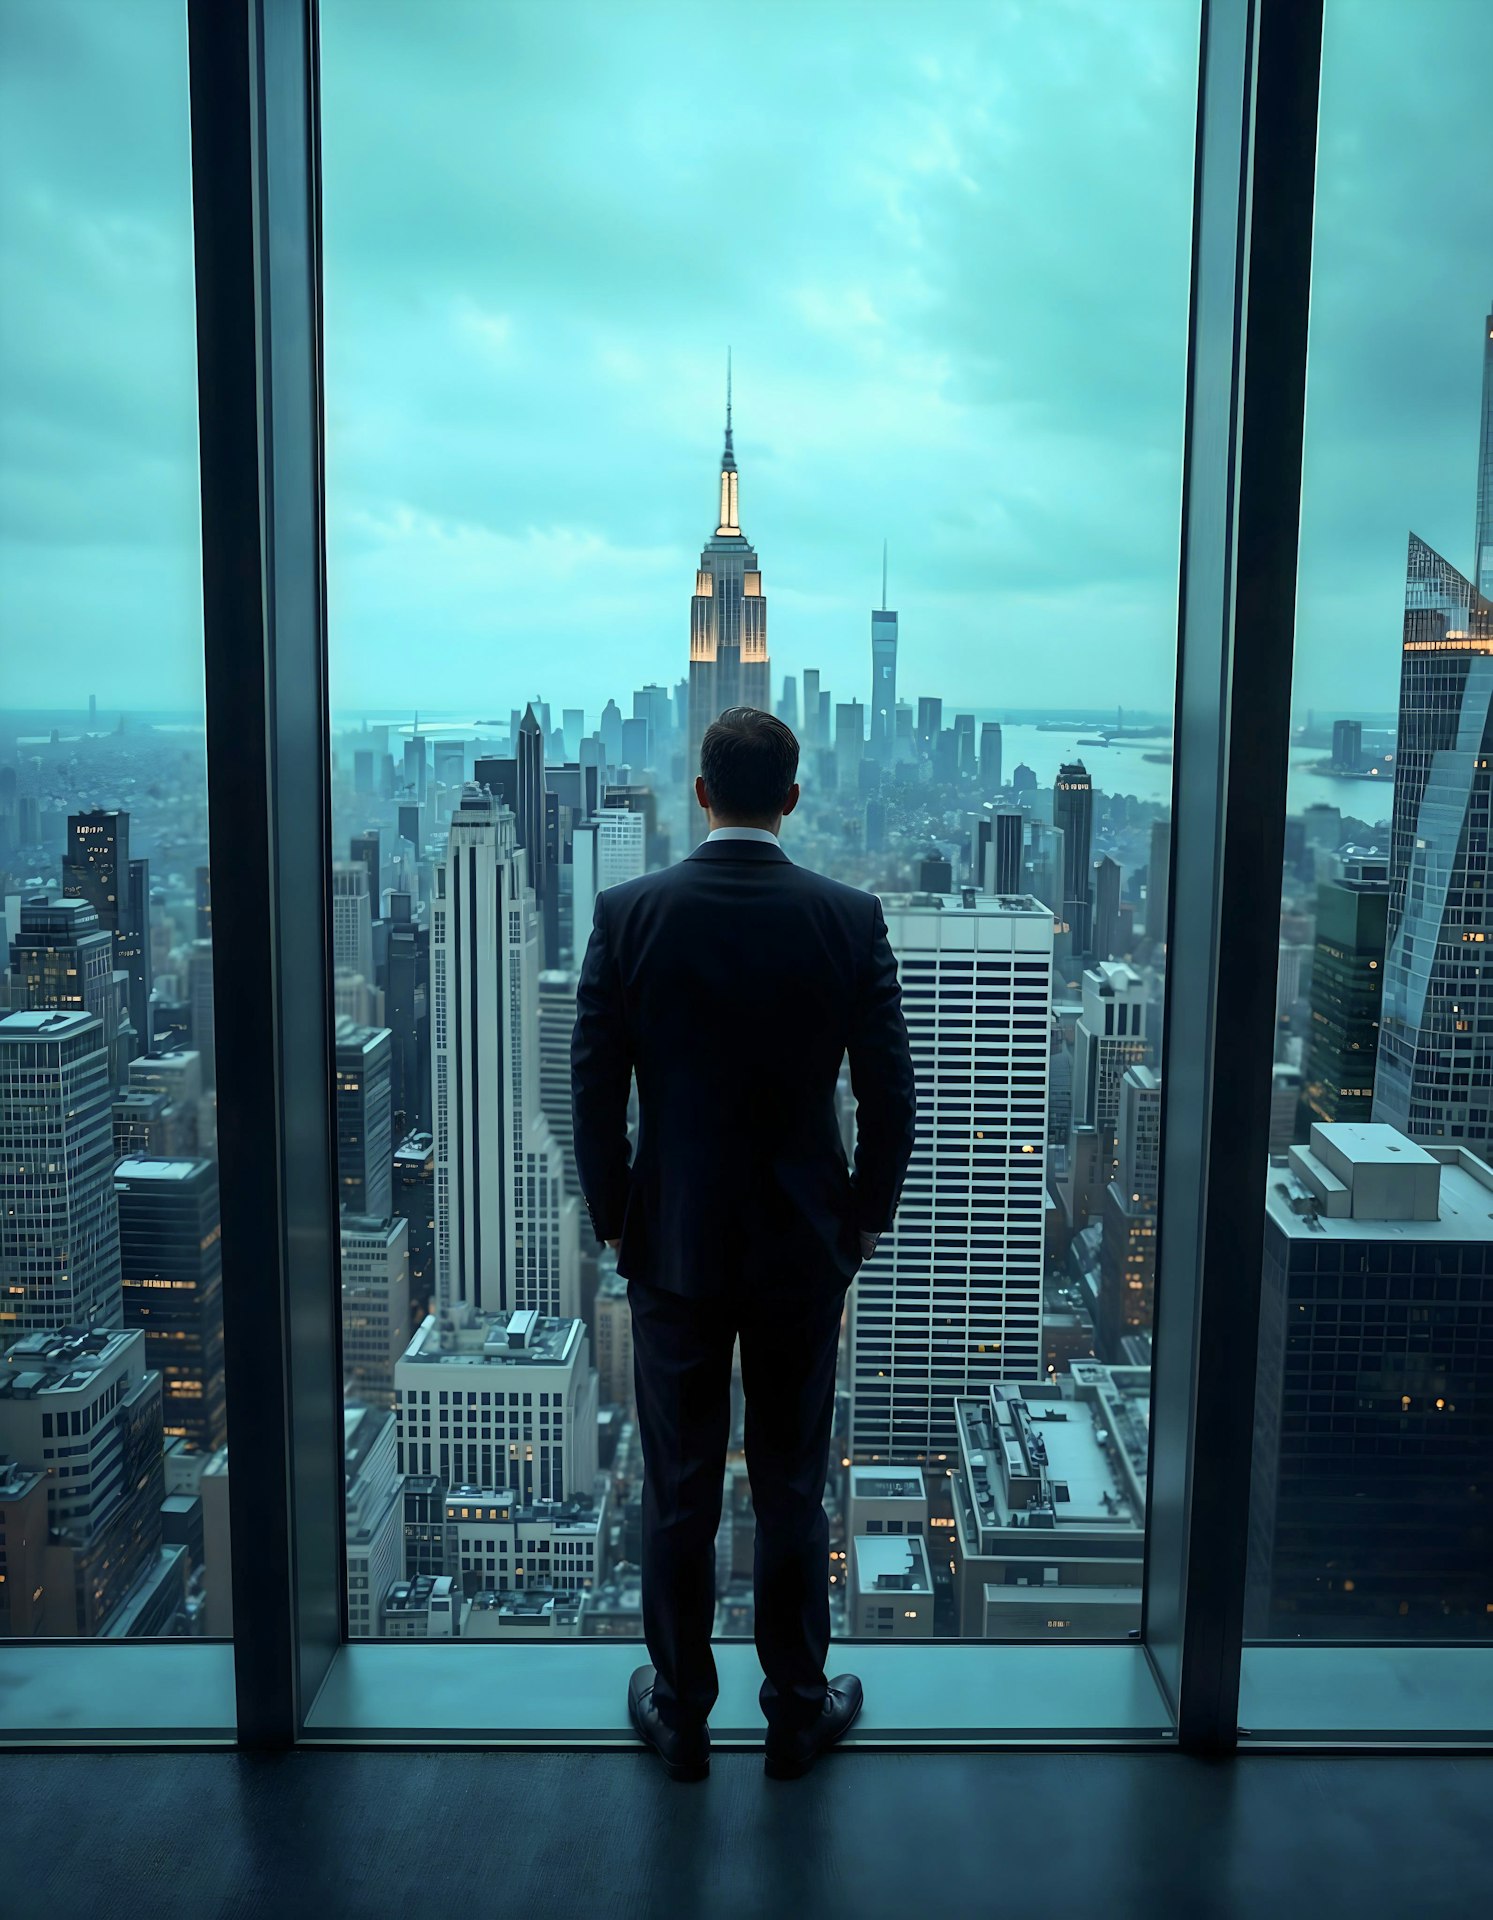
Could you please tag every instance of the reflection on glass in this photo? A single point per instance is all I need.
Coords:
(949, 434)
(113, 1458)
(1374, 1427)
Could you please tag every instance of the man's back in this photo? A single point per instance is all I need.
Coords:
(734, 984)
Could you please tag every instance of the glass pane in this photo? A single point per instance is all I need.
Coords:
(113, 1463)
(1374, 1428)
(835, 371)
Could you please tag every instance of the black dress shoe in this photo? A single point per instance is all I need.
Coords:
(685, 1752)
(791, 1754)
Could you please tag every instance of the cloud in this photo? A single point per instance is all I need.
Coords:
(949, 247)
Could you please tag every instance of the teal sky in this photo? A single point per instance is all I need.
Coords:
(947, 243)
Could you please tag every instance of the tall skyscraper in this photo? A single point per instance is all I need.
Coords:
(414, 1202)
(375, 1305)
(557, 990)
(171, 1263)
(990, 758)
(1346, 993)
(607, 849)
(788, 704)
(850, 744)
(883, 704)
(1073, 816)
(407, 1010)
(1004, 854)
(365, 848)
(812, 735)
(1370, 1515)
(951, 1300)
(365, 1119)
(728, 664)
(98, 869)
(59, 1224)
(98, 861)
(1127, 1283)
(1107, 880)
(62, 959)
(965, 752)
(518, 781)
(352, 917)
(1111, 1036)
(415, 765)
(930, 724)
(1158, 880)
(506, 1235)
(1435, 1067)
(204, 1018)
(1347, 744)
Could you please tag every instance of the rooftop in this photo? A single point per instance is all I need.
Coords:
(891, 1563)
(1036, 1459)
(1369, 1182)
(47, 1023)
(62, 1361)
(148, 1167)
(581, 1514)
(502, 1340)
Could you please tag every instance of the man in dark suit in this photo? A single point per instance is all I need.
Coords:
(734, 985)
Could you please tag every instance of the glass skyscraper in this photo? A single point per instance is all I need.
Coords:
(1436, 1031)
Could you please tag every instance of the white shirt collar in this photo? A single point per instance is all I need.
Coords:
(742, 833)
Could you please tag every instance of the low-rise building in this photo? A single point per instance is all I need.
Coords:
(495, 1541)
(1049, 1506)
(891, 1586)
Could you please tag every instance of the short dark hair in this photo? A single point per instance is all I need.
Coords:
(748, 761)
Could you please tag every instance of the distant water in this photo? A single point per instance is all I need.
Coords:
(1124, 768)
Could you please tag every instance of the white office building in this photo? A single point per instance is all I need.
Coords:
(508, 1402)
(608, 848)
(495, 1542)
(506, 1232)
(1111, 1036)
(951, 1300)
(59, 1224)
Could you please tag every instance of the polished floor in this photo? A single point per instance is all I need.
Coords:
(1043, 1836)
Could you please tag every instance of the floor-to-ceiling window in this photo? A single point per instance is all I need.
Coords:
(113, 1456)
(1370, 1527)
(830, 359)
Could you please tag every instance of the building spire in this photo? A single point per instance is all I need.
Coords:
(728, 523)
(728, 458)
(883, 575)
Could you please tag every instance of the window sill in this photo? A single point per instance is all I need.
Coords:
(573, 1693)
(1315, 1694)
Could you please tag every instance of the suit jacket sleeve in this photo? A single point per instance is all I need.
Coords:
(882, 1078)
(601, 1079)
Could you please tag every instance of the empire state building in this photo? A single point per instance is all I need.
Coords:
(727, 617)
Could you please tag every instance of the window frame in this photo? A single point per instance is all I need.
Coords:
(255, 103)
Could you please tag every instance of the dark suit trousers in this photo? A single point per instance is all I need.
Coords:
(682, 1372)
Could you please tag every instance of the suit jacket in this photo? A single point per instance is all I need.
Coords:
(734, 984)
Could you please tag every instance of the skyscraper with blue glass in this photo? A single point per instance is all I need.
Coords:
(1436, 1026)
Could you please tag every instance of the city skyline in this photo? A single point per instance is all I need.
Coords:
(517, 457)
